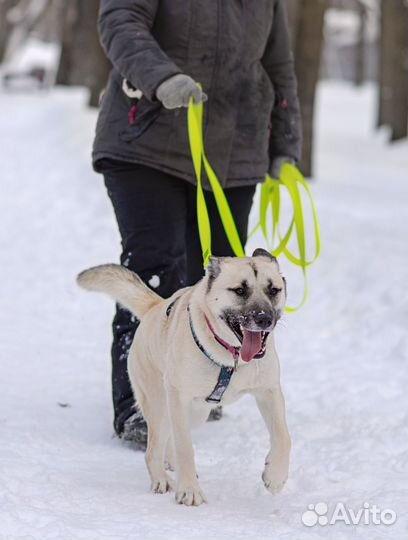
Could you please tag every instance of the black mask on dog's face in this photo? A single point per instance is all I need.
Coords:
(248, 295)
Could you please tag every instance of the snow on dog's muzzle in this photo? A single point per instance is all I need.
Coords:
(252, 330)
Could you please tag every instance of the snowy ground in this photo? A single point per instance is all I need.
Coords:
(344, 356)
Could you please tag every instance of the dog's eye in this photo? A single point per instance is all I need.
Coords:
(240, 291)
(273, 291)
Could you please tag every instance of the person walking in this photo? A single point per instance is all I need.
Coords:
(235, 56)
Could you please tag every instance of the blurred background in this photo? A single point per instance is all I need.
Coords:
(343, 355)
(55, 42)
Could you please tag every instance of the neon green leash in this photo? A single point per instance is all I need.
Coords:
(291, 178)
(195, 129)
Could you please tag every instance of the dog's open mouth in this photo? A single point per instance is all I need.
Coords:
(253, 343)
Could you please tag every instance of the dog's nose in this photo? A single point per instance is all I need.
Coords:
(263, 319)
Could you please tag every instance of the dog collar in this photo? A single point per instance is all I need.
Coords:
(226, 372)
(231, 348)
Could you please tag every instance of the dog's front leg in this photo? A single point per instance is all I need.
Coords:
(188, 490)
(271, 404)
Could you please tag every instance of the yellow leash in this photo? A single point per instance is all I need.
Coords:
(291, 179)
(195, 129)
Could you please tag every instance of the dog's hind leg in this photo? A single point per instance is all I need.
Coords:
(272, 407)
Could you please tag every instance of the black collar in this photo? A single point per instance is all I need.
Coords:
(226, 372)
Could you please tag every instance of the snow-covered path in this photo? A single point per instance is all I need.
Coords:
(344, 356)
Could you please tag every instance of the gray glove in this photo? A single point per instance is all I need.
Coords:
(177, 91)
(276, 166)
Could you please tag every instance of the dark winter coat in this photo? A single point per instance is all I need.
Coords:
(238, 50)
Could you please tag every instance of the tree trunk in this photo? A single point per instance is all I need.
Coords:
(27, 14)
(5, 25)
(83, 62)
(309, 42)
(393, 87)
(50, 26)
(359, 70)
(385, 68)
(67, 42)
(399, 111)
(100, 67)
(292, 7)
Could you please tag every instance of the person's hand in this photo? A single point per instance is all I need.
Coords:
(178, 90)
(277, 164)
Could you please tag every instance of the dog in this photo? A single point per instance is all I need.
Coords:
(205, 346)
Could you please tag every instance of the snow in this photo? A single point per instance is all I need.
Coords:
(154, 282)
(342, 26)
(34, 53)
(62, 474)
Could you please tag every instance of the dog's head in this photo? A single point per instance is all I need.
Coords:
(246, 298)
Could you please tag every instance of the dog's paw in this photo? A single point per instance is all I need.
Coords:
(162, 484)
(274, 478)
(190, 495)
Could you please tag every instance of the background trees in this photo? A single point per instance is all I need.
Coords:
(307, 24)
(393, 69)
(5, 24)
(385, 21)
(82, 61)
(356, 40)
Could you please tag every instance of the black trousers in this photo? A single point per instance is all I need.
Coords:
(156, 215)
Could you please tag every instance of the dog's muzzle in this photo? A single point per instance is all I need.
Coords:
(252, 330)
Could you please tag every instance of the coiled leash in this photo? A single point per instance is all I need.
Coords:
(291, 178)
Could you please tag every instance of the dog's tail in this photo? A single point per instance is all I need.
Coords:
(122, 285)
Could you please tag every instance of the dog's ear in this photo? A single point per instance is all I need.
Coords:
(213, 270)
(214, 267)
(259, 252)
(285, 285)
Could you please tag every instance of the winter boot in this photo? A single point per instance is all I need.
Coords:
(134, 430)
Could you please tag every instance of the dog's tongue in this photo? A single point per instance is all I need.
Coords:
(251, 345)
